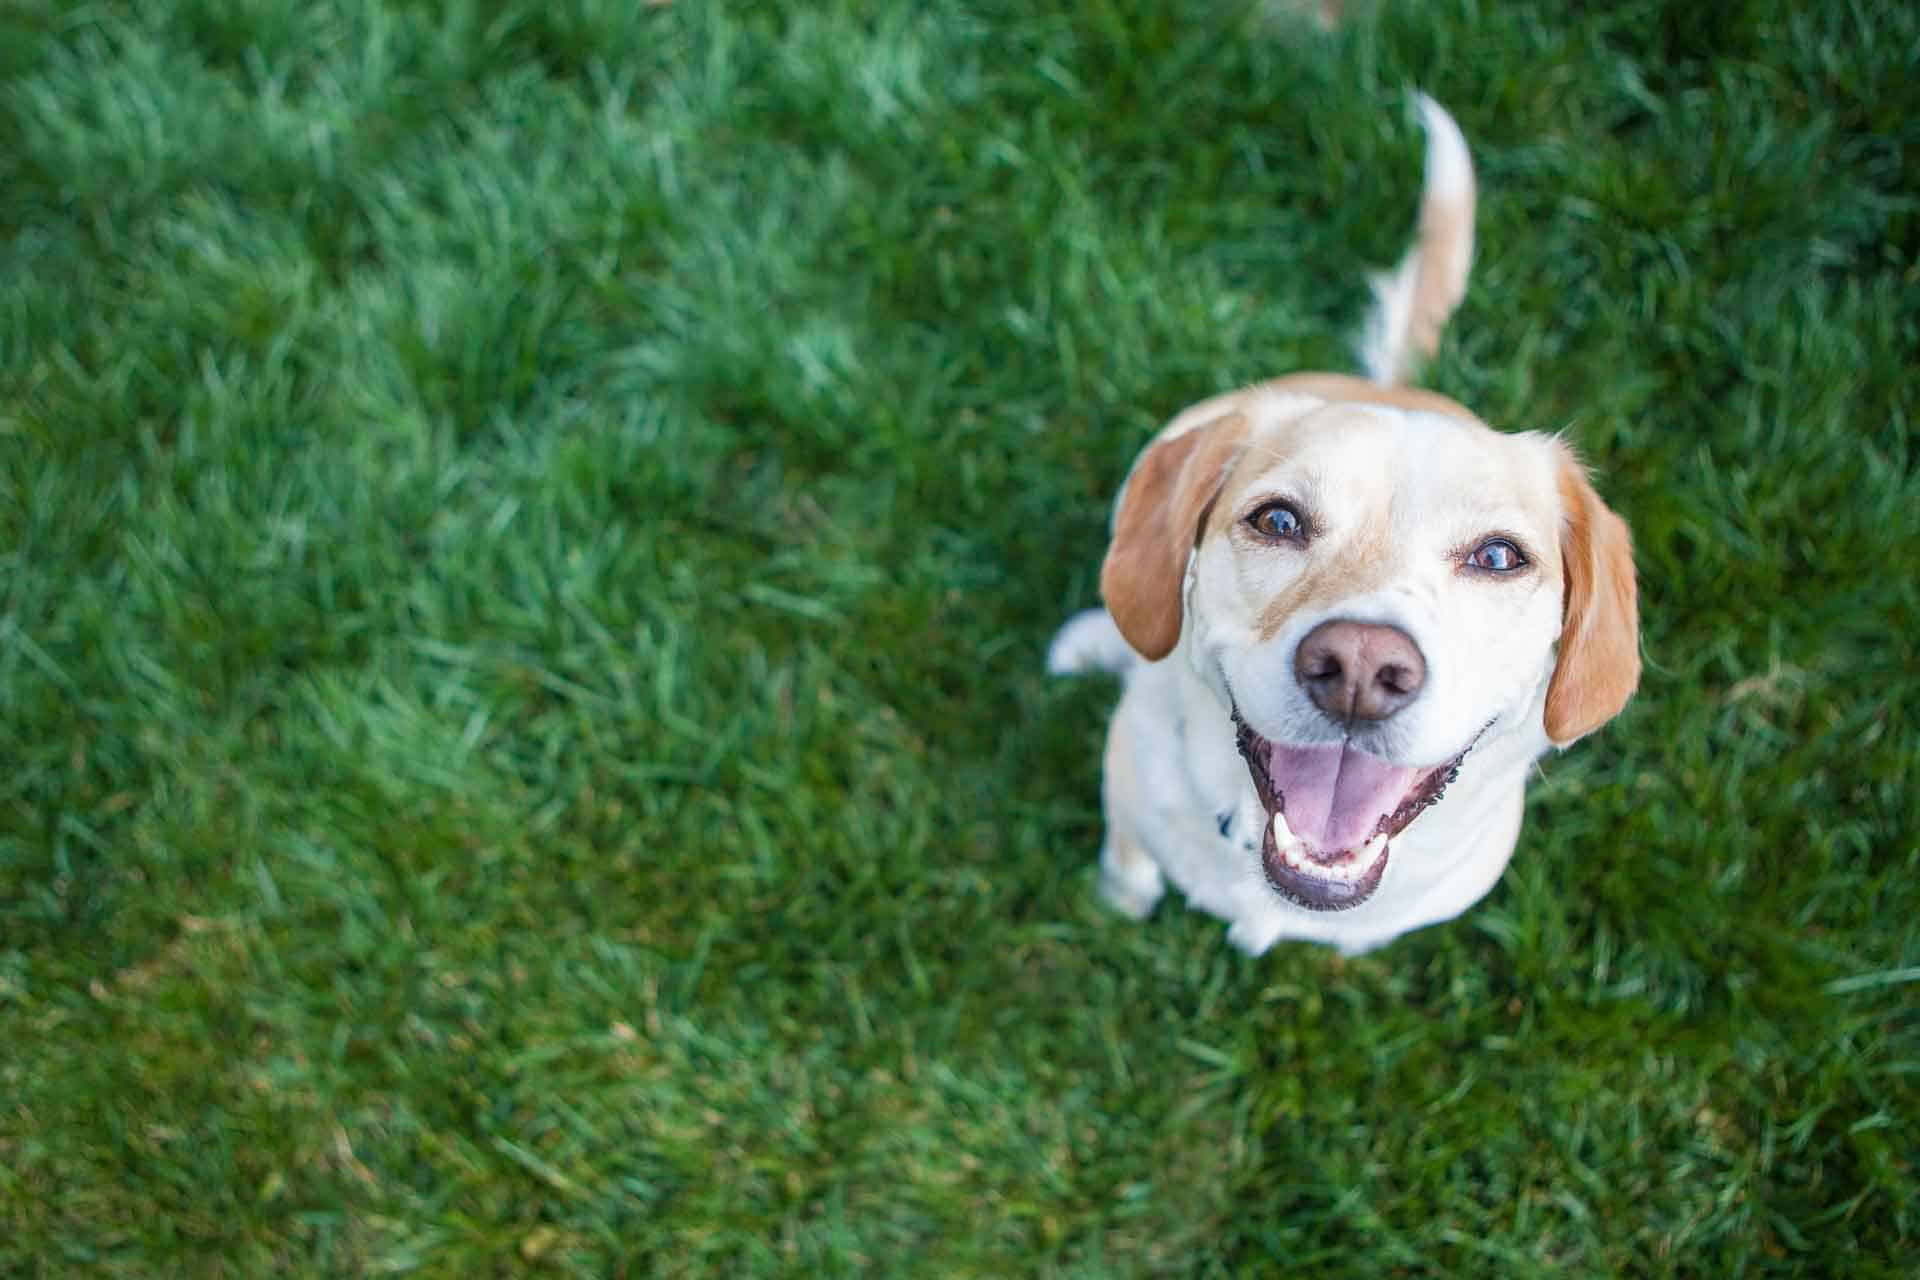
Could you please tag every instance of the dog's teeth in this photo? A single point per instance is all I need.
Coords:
(1348, 868)
(1283, 836)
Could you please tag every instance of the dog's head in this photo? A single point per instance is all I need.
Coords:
(1371, 581)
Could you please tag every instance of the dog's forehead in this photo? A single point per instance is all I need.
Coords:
(1417, 463)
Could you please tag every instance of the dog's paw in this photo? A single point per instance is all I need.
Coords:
(1133, 896)
(1253, 939)
(1089, 641)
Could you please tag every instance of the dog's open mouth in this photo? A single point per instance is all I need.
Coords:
(1330, 812)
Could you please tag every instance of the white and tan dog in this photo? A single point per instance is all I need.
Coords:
(1349, 617)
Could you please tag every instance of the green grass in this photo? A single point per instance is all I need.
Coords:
(527, 538)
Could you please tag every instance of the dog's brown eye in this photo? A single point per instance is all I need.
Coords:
(1280, 522)
(1497, 555)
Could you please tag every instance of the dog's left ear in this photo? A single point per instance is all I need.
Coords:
(1162, 510)
(1598, 665)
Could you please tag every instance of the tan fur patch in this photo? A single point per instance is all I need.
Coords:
(1361, 566)
(1598, 666)
(1158, 523)
(1339, 388)
(1446, 238)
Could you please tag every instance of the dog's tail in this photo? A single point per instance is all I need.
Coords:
(1089, 641)
(1411, 303)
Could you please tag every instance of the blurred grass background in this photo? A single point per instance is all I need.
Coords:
(527, 535)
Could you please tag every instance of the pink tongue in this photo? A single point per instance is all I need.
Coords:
(1336, 796)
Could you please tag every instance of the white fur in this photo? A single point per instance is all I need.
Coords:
(1089, 642)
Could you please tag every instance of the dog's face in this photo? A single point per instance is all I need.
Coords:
(1372, 590)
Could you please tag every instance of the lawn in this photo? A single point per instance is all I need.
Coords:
(528, 533)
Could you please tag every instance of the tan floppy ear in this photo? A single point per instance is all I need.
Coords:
(1162, 509)
(1599, 661)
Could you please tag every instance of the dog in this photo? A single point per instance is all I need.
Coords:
(1349, 616)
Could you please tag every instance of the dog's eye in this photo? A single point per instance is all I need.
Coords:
(1278, 521)
(1497, 555)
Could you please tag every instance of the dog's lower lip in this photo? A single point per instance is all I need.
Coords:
(1303, 888)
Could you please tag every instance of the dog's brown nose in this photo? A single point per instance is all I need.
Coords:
(1359, 670)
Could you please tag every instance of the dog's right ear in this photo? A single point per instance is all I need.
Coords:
(1598, 666)
(1162, 510)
